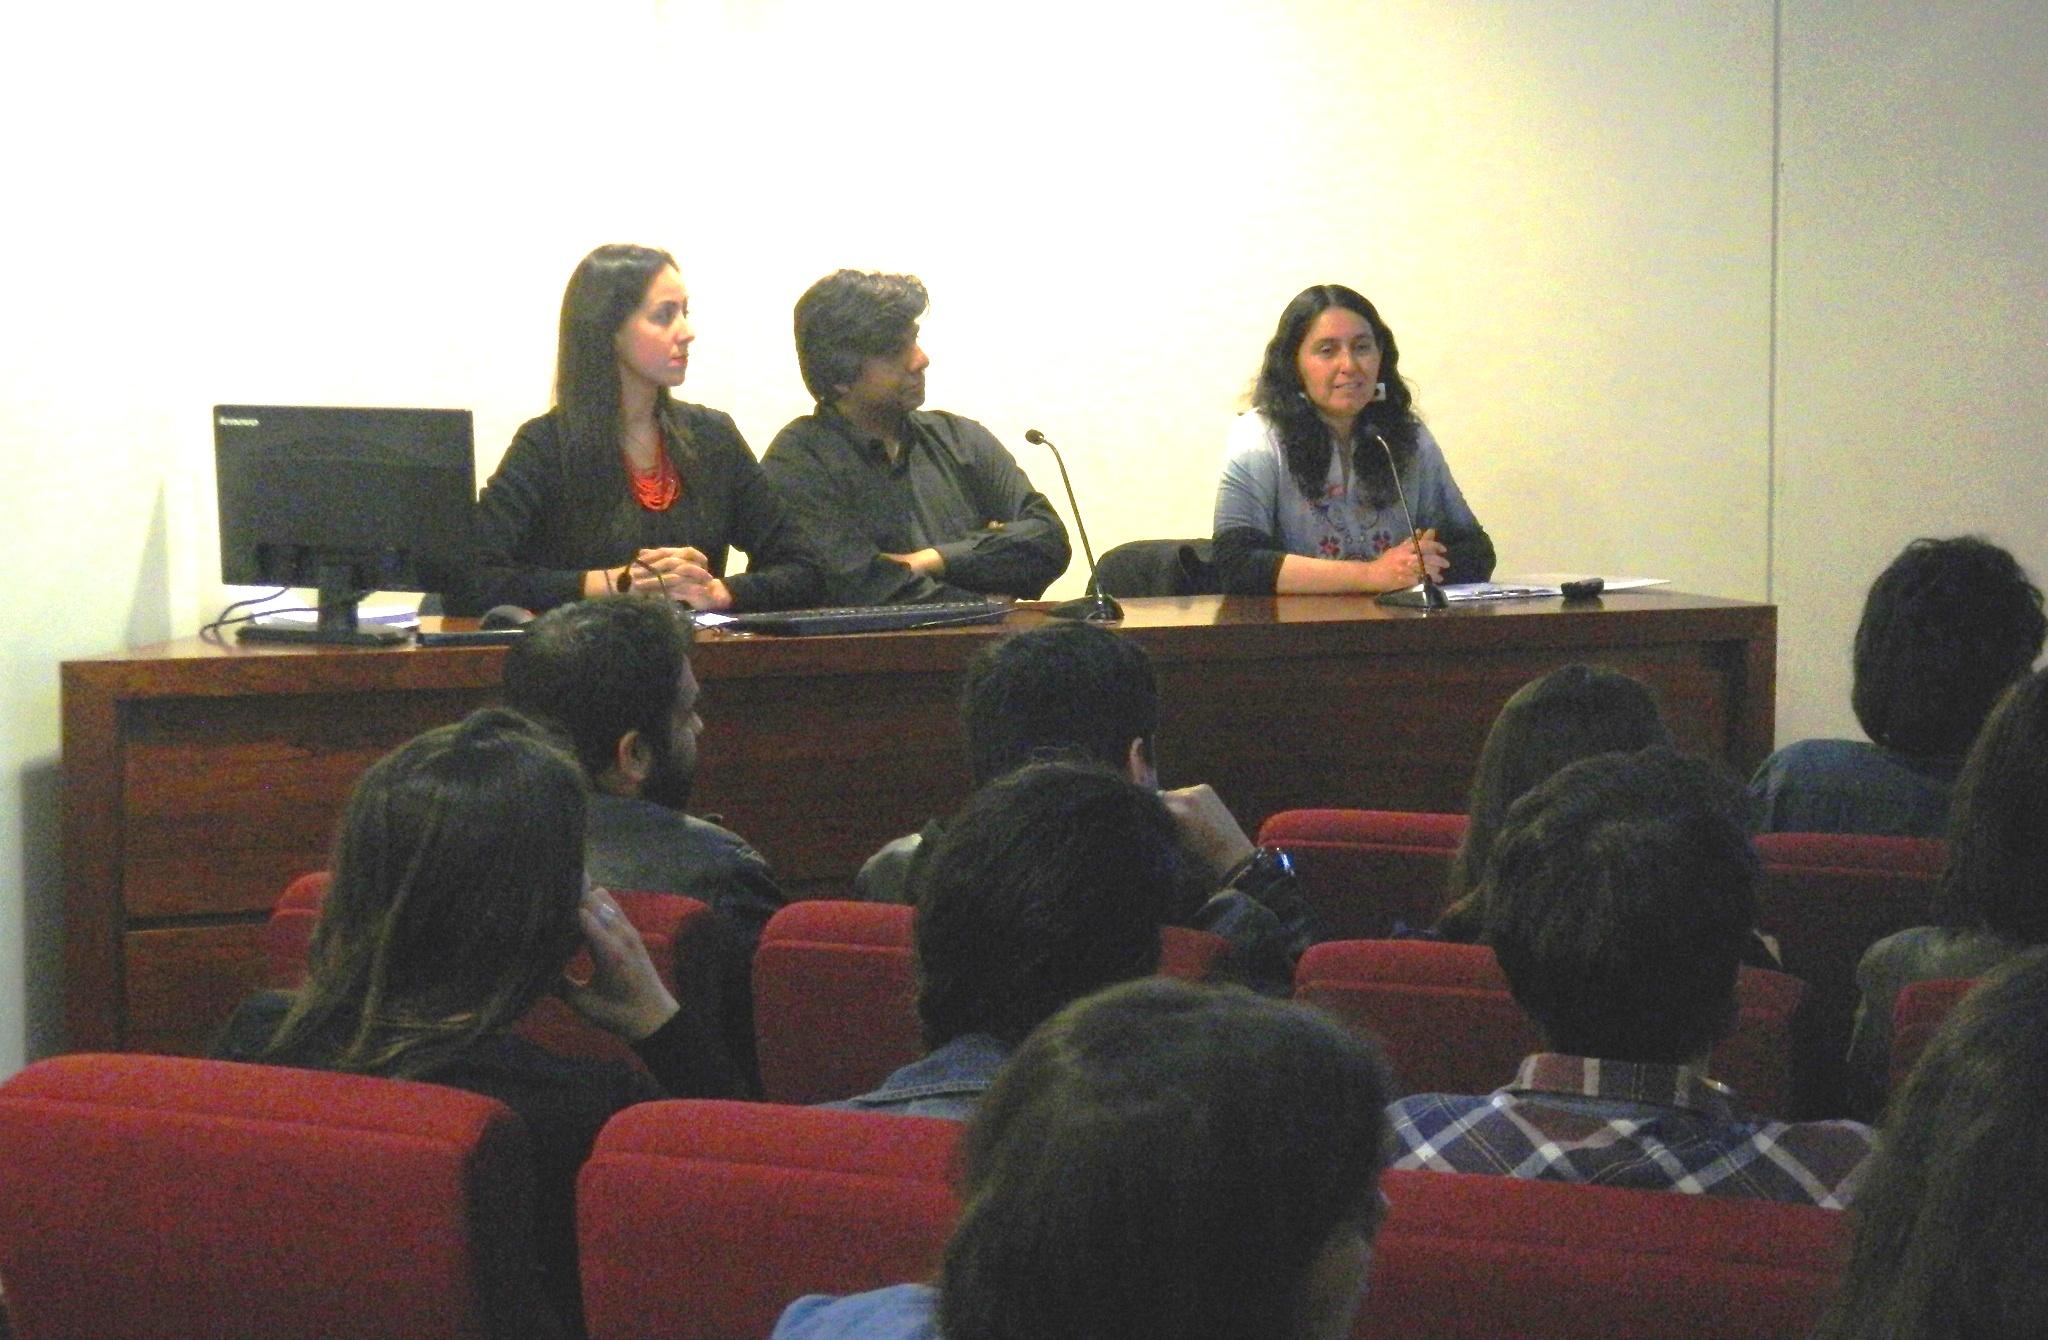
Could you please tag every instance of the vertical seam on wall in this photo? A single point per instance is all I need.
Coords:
(1771, 368)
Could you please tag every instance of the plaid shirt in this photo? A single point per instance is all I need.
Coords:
(1617, 1123)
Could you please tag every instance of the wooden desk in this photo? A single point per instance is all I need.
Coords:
(199, 777)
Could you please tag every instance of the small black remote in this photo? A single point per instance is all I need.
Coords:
(1583, 589)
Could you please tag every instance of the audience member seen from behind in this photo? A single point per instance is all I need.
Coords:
(1050, 884)
(1160, 1161)
(623, 487)
(1951, 1229)
(1573, 712)
(1945, 629)
(1992, 900)
(1077, 691)
(613, 674)
(1620, 898)
(1307, 503)
(907, 504)
(458, 897)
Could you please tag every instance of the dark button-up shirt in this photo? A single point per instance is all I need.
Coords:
(951, 480)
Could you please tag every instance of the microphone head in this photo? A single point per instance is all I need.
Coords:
(1034, 437)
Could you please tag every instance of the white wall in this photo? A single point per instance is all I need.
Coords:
(1564, 209)
(1913, 339)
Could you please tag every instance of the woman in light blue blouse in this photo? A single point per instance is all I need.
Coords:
(1309, 501)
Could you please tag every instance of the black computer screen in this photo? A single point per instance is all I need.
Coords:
(380, 499)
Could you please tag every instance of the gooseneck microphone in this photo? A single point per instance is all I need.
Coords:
(1094, 607)
(1432, 594)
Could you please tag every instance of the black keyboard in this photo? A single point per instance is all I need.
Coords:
(870, 618)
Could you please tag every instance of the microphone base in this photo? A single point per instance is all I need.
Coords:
(1089, 609)
(1433, 596)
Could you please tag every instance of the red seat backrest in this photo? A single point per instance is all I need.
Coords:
(678, 932)
(1363, 870)
(1469, 1257)
(835, 999)
(288, 935)
(1917, 1015)
(1448, 1024)
(1826, 898)
(701, 1219)
(835, 995)
(157, 1195)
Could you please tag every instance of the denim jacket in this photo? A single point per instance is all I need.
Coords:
(946, 1083)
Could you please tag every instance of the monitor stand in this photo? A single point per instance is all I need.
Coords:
(338, 625)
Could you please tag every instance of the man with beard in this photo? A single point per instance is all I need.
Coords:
(612, 674)
(907, 504)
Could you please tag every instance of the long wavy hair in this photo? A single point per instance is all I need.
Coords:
(1951, 1227)
(458, 869)
(1304, 437)
(607, 287)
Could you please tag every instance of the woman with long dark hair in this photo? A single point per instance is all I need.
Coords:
(1314, 475)
(1574, 712)
(1158, 1160)
(1951, 1226)
(458, 898)
(623, 487)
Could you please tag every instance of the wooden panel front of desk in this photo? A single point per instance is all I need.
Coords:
(199, 777)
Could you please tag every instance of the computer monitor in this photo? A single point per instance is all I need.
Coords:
(347, 501)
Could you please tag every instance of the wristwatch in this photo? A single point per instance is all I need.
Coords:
(1260, 871)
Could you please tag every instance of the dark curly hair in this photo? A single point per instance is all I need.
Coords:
(1050, 883)
(1065, 689)
(1620, 899)
(599, 668)
(1945, 628)
(848, 317)
(1280, 396)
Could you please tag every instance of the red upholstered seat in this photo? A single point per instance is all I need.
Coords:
(835, 1008)
(1917, 1015)
(1826, 898)
(1363, 870)
(835, 995)
(703, 1219)
(1476, 1258)
(150, 1196)
(288, 935)
(1445, 1018)
(677, 930)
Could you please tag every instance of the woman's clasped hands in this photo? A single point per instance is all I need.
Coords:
(681, 574)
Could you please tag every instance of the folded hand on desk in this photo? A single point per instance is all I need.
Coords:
(680, 574)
